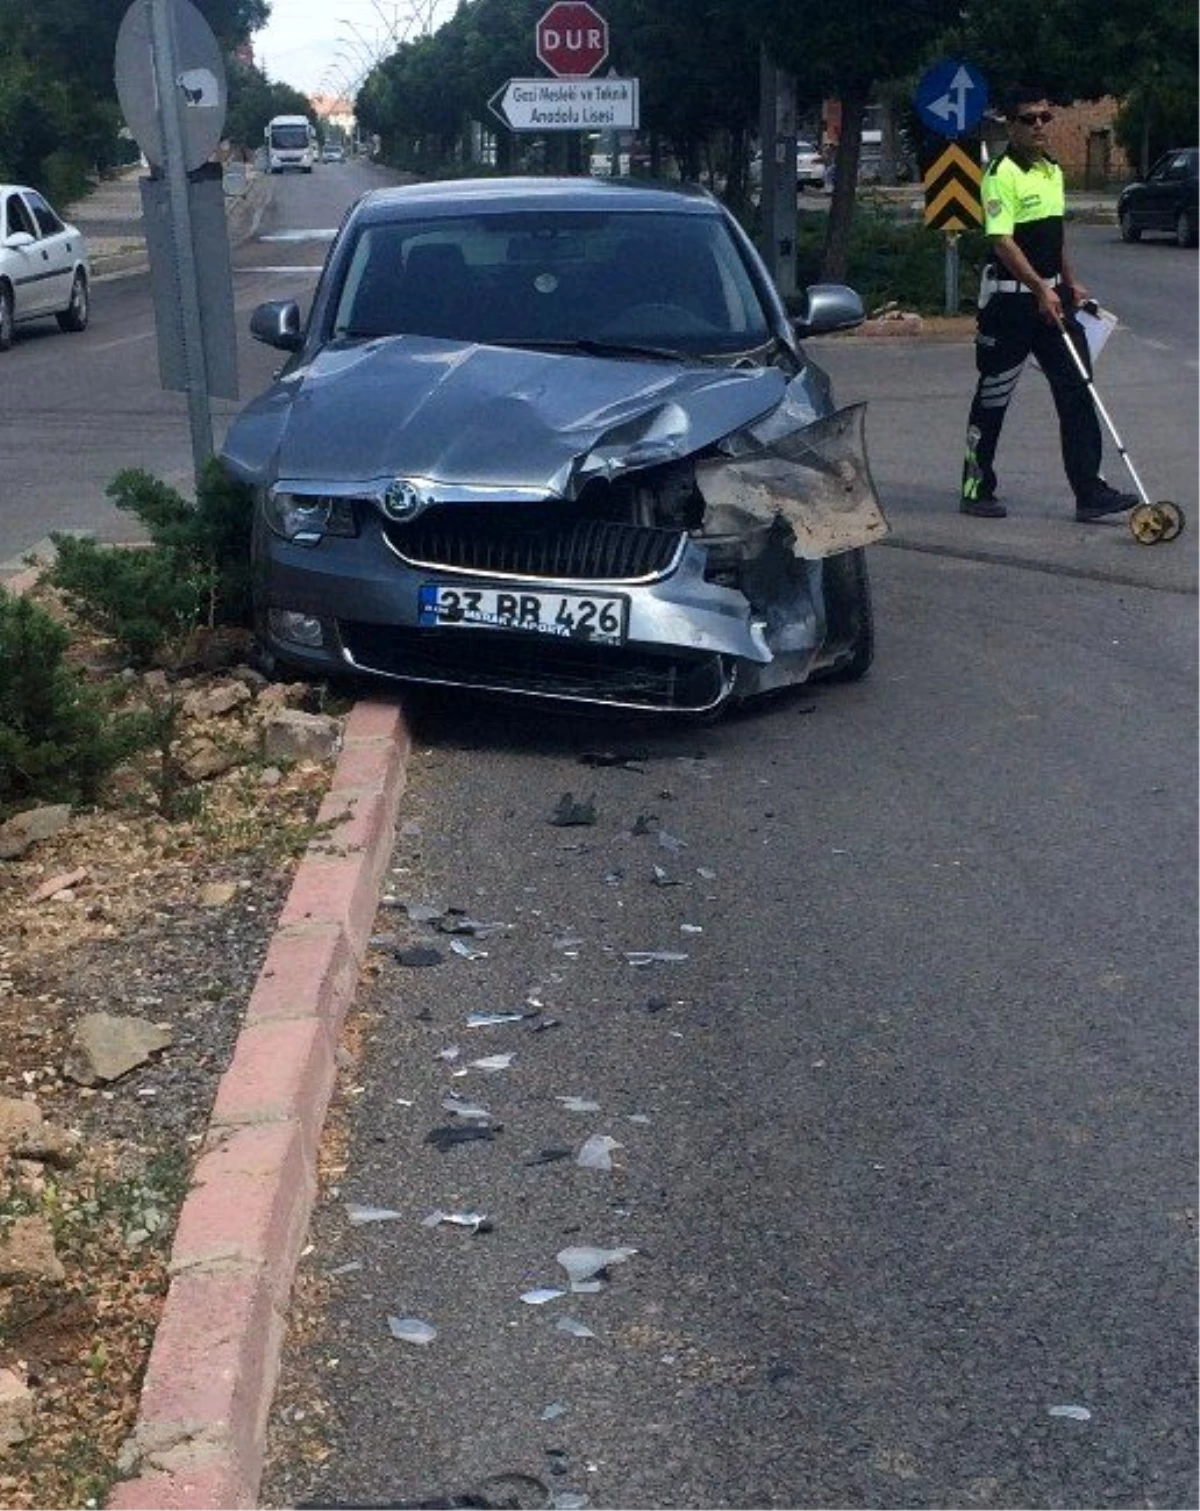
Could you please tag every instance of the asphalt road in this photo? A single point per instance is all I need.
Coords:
(908, 1138)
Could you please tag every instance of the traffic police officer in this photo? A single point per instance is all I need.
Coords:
(1027, 301)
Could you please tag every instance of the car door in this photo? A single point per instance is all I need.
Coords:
(24, 265)
(1154, 207)
(56, 246)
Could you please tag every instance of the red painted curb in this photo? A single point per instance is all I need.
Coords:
(200, 1436)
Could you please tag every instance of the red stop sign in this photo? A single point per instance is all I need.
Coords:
(572, 39)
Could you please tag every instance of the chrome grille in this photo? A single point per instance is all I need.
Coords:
(535, 543)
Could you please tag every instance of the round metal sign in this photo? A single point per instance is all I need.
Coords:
(197, 89)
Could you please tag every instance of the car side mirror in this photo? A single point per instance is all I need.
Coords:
(277, 323)
(828, 307)
(17, 240)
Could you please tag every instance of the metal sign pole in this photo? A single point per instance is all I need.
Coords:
(952, 272)
(166, 70)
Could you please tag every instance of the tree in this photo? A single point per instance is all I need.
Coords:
(845, 51)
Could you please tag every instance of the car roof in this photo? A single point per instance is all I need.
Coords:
(484, 195)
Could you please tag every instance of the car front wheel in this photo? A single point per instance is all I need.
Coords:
(1129, 232)
(850, 616)
(75, 316)
(6, 317)
(1185, 230)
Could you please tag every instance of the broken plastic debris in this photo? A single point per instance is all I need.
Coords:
(569, 1500)
(541, 1294)
(1072, 1413)
(573, 1326)
(550, 1156)
(555, 1410)
(411, 1330)
(423, 912)
(493, 1062)
(476, 1221)
(358, 1214)
(569, 813)
(614, 758)
(490, 1020)
(345, 1269)
(596, 1153)
(467, 951)
(578, 1104)
(654, 957)
(582, 1261)
(468, 1111)
(464, 1133)
(706, 873)
(419, 955)
(456, 921)
(661, 879)
(451, 1052)
(671, 842)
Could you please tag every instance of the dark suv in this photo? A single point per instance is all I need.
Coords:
(1166, 201)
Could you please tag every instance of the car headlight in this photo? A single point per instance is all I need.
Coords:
(307, 517)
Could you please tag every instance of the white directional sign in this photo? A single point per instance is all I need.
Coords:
(567, 104)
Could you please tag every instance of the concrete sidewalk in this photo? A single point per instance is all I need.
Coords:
(110, 217)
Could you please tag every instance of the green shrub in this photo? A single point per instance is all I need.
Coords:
(894, 259)
(58, 737)
(195, 571)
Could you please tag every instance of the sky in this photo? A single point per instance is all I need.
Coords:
(321, 46)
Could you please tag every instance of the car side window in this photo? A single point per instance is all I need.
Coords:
(1178, 167)
(48, 222)
(19, 218)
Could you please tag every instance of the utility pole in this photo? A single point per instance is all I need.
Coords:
(777, 133)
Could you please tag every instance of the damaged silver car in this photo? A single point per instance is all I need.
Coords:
(558, 438)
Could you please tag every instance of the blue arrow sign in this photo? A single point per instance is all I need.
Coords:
(951, 97)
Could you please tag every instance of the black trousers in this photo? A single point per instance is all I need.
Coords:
(1009, 330)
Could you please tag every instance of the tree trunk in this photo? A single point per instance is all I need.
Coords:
(835, 257)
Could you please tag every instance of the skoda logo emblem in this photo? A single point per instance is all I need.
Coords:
(402, 500)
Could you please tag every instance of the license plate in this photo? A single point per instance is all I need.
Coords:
(600, 618)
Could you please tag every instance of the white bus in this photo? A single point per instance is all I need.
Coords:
(291, 143)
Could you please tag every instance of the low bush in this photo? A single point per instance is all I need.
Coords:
(58, 736)
(195, 570)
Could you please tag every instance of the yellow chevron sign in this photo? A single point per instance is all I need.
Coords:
(952, 191)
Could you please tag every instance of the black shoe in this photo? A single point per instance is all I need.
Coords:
(985, 506)
(1103, 500)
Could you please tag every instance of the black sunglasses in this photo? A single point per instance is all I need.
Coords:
(1035, 117)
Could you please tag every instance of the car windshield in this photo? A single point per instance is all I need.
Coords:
(676, 282)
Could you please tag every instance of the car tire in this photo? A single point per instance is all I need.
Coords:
(6, 317)
(75, 316)
(1129, 232)
(849, 615)
(1185, 230)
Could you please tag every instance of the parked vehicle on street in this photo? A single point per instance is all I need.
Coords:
(1164, 201)
(291, 143)
(44, 268)
(558, 438)
(810, 166)
(333, 152)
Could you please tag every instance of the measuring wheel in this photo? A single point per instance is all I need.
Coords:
(1147, 524)
(1173, 519)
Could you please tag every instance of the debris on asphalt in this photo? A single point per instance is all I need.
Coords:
(577, 1104)
(584, 1262)
(671, 842)
(558, 1460)
(691, 928)
(345, 1269)
(706, 873)
(661, 878)
(418, 955)
(573, 1326)
(630, 762)
(477, 1222)
(569, 1500)
(643, 824)
(468, 1111)
(540, 1024)
(657, 1005)
(555, 1410)
(541, 1294)
(411, 1330)
(451, 1052)
(568, 813)
(490, 1020)
(493, 1062)
(596, 1152)
(550, 1156)
(358, 1214)
(467, 951)
(1072, 1413)
(423, 912)
(459, 921)
(654, 957)
(450, 1135)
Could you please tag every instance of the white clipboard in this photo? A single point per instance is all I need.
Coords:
(1098, 325)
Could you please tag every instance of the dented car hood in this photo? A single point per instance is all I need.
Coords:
(487, 417)
(464, 420)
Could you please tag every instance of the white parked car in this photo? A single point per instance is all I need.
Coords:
(810, 166)
(44, 268)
